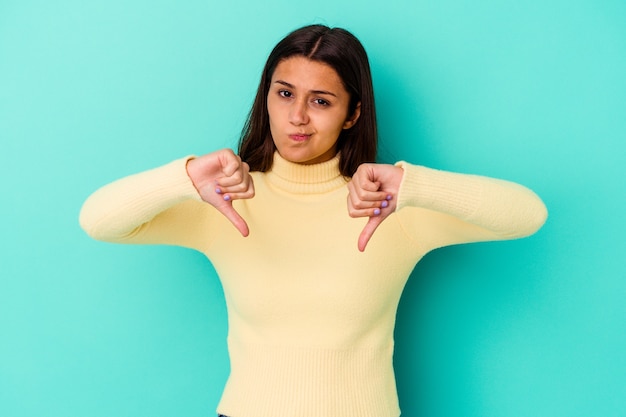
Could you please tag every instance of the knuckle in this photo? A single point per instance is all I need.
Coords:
(361, 193)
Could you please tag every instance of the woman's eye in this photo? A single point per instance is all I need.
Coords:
(284, 93)
(321, 102)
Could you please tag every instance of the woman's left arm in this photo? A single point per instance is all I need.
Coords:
(480, 208)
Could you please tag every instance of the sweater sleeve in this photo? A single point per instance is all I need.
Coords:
(160, 205)
(460, 208)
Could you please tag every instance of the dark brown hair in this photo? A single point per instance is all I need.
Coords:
(342, 51)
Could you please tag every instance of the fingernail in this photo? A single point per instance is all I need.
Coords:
(376, 212)
(218, 190)
(226, 198)
(389, 197)
(384, 204)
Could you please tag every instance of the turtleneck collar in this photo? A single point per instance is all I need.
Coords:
(305, 179)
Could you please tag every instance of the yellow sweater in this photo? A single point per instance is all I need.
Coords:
(310, 317)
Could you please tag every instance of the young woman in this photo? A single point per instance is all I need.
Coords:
(312, 240)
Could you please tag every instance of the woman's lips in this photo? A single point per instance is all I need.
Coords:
(299, 137)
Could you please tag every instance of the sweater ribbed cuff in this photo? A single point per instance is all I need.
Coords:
(438, 190)
(162, 188)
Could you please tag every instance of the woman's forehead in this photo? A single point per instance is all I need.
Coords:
(309, 75)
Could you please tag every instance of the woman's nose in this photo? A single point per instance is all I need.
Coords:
(298, 113)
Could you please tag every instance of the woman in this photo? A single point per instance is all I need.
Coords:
(311, 314)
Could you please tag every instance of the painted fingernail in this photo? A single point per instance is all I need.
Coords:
(218, 190)
(389, 197)
(226, 198)
(384, 204)
(376, 212)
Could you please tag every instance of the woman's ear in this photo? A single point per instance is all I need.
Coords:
(355, 116)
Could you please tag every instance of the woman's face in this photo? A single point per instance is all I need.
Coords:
(308, 108)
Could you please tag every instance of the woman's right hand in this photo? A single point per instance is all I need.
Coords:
(221, 177)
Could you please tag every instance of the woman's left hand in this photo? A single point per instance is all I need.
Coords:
(373, 193)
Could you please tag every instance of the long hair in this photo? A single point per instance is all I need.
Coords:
(343, 52)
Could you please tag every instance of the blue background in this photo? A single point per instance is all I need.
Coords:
(533, 91)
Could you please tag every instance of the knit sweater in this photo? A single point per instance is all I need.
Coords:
(310, 317)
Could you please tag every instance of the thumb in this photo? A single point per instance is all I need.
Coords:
(231, 214)
(368, 231)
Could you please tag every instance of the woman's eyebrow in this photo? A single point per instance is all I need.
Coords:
(286, 84)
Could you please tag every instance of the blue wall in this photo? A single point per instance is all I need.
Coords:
(531, 91)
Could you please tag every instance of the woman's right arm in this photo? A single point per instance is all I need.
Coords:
(162, 205)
